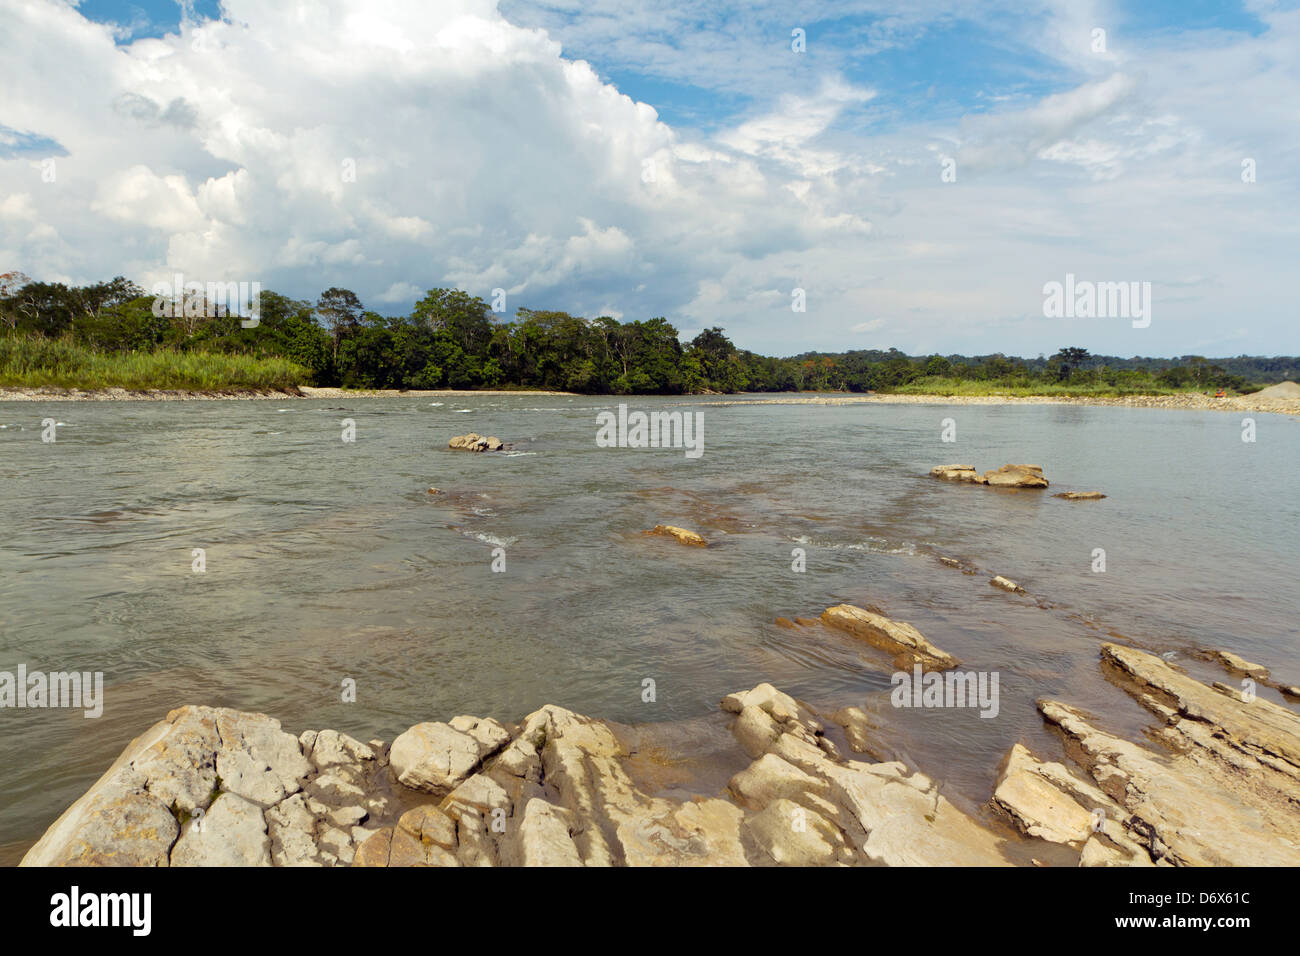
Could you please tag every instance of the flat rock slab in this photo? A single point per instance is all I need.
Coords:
(908, 644)
(1008, 476)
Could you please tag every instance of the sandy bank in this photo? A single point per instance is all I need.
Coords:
(1245, 403)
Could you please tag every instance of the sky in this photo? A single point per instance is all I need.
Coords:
(914, 173)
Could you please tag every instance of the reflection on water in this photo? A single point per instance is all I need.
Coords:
(328, 560)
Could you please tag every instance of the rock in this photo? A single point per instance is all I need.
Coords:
(1008, 476)
(491, 736)
(231, 833)
(434, 491)
(331, 748)
(430, 825)
(1036, 805)
(770, 778)
(755, 730)
(436, 757)
(699, 832)
(908, 644)
(957, 473)
(681, 534)
(1016, 476)
(129, 816)
(475, 442)
(257, 760)
(375, 850)
(292, 831)
(1240, 665)
(794, 835)
(1006, 584)
(1259, 736)
(1079, 495)
(553, 791)
(424, 836)
(544, 838)
(771, 701)
(858, 726)
(1224, 793)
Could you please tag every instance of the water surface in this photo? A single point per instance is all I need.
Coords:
(328, 560)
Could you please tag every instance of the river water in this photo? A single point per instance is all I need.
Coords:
(328, 560)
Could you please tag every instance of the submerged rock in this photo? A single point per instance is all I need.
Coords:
(1239, 665)
(682, 535)
(908, 644)
(1079, 495)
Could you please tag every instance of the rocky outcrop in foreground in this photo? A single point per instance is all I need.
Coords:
(1008, 476)
(1225, 792)
(215, 787)
(1219, 784)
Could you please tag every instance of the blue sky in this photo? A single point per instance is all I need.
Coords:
(678, 159)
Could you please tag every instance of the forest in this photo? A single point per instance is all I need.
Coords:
(114, 332)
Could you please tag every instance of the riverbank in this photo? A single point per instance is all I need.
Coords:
(247, 395)
(767, 781)
(1191, 400)
(1195, 401)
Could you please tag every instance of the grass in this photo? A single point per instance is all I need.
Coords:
(36, 363)
(936, 385)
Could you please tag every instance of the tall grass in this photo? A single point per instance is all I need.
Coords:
(936, 385)
(35, 362)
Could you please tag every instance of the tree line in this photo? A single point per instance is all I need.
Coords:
(452, 339)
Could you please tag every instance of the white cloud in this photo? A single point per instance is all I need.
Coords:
(393, 146)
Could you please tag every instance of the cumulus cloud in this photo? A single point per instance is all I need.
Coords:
(394, 146)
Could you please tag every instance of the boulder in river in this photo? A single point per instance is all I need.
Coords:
(1006, 584)
(908, 645)
(1239, 665)
(957, 473)
(1008, 476)
(475, 442)
(1016, 476)
(1079, 495)
(682, 535)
